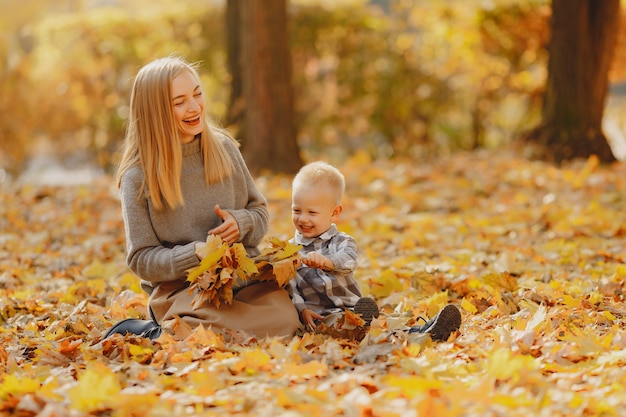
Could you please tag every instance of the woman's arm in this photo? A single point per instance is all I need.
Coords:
(146, 255)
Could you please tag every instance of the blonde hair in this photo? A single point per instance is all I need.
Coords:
(319, 172)
(153, 140)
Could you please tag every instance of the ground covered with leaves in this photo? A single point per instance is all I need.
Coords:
(533, 255)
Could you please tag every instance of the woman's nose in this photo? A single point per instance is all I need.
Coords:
(193, 106)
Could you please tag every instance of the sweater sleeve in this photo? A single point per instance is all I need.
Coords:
(146, 255)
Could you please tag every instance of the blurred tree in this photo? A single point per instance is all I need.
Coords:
(583, 38)
(407, 80)
(235, 112)
(259, 48)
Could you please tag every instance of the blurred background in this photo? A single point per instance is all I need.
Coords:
(411, 78)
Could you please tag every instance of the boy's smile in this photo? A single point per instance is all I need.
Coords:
(313, 211)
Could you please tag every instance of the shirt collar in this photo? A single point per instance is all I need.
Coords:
(327, 235)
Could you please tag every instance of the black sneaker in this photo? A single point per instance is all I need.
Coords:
(143, 328)
(367, 308)
(447, 321)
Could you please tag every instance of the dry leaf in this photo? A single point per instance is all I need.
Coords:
(549, 336)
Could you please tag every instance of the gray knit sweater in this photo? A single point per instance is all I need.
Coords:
(161, 243)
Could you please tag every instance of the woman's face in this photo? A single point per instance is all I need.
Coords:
(188, 105)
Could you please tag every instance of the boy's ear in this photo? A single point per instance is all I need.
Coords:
(337, 210)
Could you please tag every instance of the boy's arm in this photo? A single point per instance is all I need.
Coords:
(345, 254)
(296, 295)
(317, 260)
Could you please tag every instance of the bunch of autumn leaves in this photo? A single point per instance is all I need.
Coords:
(224, 268)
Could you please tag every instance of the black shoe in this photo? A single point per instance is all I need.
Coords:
(143, 328)
(447, 321)
(367, 308)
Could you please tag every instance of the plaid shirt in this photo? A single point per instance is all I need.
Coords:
(322, 291)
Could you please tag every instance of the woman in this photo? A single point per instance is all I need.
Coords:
(182, 178)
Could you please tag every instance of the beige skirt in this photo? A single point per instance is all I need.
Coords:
(262, 309)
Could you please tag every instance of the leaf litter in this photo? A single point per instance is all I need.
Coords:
(531, 253)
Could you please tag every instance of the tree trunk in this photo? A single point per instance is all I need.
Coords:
(269, 132)
(584, 34)
(236, 106)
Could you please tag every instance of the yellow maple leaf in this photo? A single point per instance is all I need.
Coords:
(387, 282)
(245, 266)
(307, 370)
(505, 365)
(278, 262)
(570, 301)
(287, 250)
(411, 385)
(503, 280)
(203, 383)
(620, 273)
(15, 386)
(251, 361)
(595, 298)
(609, 316)
(278, 250)
(222, 266)
(208, 263)
(284, 270)
(468, 306)
(98, 388)
(141, 353)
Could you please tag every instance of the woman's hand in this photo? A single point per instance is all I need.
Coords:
(229, 229)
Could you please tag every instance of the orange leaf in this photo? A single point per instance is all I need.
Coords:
(354, 319)
(69, 346)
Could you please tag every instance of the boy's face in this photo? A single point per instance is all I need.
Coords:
(313, 211)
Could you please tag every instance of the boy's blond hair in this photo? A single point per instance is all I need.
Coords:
(320, 173)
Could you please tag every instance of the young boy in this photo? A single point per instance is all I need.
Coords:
(325, 283)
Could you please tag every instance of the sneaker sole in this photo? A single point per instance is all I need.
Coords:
(448, 321)
(367, 308)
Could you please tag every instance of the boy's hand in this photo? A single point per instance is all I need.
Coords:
(317, 260)
(309, 317)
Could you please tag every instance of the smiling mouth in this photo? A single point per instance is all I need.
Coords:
(193, 120)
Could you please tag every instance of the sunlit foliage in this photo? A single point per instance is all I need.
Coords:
(393, 78)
